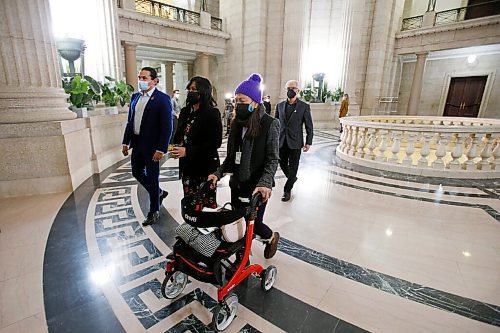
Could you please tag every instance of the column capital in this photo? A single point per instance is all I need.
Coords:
(422, 54)
(128, 46)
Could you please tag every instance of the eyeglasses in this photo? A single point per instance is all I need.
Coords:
(292, 88)
(189, 90)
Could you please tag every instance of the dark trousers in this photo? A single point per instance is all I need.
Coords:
(289, 163)
(238, 191)
(147, 172)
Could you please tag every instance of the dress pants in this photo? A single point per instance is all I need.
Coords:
(289, 163)
(147, 172)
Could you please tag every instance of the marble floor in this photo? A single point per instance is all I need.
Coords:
(361, 250)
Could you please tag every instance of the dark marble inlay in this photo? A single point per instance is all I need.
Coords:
(469, 308)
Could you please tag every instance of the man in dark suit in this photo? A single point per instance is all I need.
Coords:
(292, 114)
(148, 132)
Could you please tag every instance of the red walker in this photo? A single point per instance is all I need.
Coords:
(219, 269)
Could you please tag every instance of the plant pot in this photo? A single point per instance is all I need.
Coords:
(111, 110)
(80, 112)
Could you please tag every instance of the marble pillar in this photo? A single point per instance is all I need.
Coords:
(130, 63)
(169, 77)
(30, 81)
(416, 86)
(203, 67)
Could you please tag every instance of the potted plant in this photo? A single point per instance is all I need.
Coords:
(115, 93)
(337, 94)
(79, 97)
(309, 92)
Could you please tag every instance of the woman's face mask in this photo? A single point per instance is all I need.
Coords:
(243, 111)
(193, 97)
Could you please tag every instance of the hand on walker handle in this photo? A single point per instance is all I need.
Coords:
(266, 192)
(213, 179)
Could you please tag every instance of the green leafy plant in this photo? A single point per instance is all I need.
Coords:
(94, 89)
(78, 90)
(124, 91)
(116, 92)
(309, 92)
(337, 94)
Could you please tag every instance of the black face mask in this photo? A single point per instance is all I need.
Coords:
(193, 97)
(242, 113)
(291, 93)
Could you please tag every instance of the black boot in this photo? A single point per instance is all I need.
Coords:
(153, 217)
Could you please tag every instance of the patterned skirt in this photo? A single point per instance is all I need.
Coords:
(192, 185)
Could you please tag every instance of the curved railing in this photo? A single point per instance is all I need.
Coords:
(430, 146)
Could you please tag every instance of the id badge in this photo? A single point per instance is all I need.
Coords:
(237, 159)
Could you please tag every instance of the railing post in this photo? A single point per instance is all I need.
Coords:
(361, 145)
(496, 156)
(485, 154)
(372, 143)
(354, 141)
(472, 153)
(424, 152)
(410, 149)
(396, 146)
(456, 153)
(383, 146)
(441, 151)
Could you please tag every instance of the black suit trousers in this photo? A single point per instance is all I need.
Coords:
(289, 163)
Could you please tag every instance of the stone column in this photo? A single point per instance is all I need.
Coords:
(130, 63)
(203, 67)
(169, 77)
(30, 81)
(190, 70)
(416, 86)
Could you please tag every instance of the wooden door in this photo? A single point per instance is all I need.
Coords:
(481, 8)
(465, 96)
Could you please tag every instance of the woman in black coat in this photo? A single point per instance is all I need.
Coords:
(197, 138)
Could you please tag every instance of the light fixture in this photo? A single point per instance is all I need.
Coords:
(262, 87)
(229, 95)
(471, 59)
(388, 232)
(466, 253)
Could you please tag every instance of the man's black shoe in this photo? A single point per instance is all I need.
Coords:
(153, 217)
(286, 196)
(163, 195)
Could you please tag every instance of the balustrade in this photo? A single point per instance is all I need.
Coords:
(433, 146)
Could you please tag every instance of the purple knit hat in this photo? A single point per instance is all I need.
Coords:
(251, 88)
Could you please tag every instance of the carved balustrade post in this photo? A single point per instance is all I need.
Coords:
(424, 152)
(372, 143)
(443, 140)
(348, 140)
(496, 156)
(396, 146)
(383, 146)
(354, 141)
(410, 148)
(456, 153)
(470, 164)
(360, 152)
(486, 153)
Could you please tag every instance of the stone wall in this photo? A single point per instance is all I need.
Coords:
(437, 76)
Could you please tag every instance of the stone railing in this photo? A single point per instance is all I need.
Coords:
(431, 146)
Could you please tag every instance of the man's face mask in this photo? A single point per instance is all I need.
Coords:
(143, 85)
(291, 93)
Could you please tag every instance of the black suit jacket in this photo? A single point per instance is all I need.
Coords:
(292, 129)
(203, 140)
(156, 124)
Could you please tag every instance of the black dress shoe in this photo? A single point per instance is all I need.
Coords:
(153, 217)
(286, 196)
(163, 195)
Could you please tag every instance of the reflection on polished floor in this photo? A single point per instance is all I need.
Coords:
(361, 251)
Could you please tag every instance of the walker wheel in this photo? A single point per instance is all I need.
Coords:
(225, 312)
(268, 276)
(173, 284)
